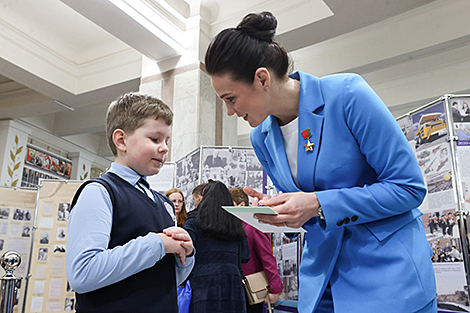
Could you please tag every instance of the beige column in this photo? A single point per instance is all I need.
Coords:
(199, 116)
(13, 139)
(81, 165)
(182, 83)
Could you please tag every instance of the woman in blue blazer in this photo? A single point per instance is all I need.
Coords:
(344, 169)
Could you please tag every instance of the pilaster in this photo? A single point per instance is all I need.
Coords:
(13, 139)
(81, 168)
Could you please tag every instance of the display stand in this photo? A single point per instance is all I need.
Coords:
(16, 227)
(47, 289)
(439, 133)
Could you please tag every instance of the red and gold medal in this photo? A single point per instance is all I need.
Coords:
(307, 134)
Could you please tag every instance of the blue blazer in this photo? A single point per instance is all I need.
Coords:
(371, 246)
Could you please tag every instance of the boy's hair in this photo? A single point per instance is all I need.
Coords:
(197, 191)
(239, 196)
(129, 111)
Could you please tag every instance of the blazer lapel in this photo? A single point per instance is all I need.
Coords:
(275, 145)
(310, 102)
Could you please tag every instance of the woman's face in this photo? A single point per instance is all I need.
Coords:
(250, 102)
(177, 200)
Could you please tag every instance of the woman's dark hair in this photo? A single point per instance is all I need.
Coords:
(240, 51)
(213, 220)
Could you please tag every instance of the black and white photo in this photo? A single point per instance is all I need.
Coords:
(63, 213)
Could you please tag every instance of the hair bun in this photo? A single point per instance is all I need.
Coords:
(261, 26)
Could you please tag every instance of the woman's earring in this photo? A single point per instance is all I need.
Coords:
(267, 87)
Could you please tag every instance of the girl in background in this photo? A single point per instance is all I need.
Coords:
(176, 196)
(218, 238)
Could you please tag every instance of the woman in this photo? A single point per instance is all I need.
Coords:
(262, 258)
(465, 112)
(346, 172)
(176, 196)
(218, 237)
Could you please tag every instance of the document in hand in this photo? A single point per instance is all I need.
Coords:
(245, 213)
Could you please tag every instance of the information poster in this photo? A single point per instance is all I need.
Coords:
(236, 167)
(427, 133)
(17, 208)
(48, 289)
(187, 176)
(48, 162)
(164, 180)
(287, 252)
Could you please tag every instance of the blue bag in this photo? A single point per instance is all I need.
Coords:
(184, 297)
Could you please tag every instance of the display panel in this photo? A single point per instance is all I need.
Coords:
(17, 211)
(48, 289)
(443, 153)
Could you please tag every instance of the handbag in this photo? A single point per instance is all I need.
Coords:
(256, 287)
(184, 297)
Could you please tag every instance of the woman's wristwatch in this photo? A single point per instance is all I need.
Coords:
(320, 213)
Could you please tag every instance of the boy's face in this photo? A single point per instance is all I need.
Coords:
(145, 150)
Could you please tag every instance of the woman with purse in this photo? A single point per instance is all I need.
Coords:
(215, 279)
(262, 258)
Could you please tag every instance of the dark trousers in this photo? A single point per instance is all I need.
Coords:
(256, 308)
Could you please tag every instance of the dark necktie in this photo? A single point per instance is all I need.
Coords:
(145, 187)
(143, 182)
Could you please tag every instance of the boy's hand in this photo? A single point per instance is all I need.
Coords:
(181, 235)
(174, 246)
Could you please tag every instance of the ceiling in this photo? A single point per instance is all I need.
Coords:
(62, 62)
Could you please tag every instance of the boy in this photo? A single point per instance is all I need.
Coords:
(121, 239)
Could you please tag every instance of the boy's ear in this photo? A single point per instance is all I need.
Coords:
(119, 139)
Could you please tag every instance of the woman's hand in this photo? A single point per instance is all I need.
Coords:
(257, 196)
(272, 298)
(294, 209)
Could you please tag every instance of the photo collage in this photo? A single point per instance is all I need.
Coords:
(235, 167)
(427, 132)
(287, 253)
(17, 210)
(49, 290)
(41, 159)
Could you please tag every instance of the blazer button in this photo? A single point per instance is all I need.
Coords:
(339, 223)
(354, 218)
(346, 220)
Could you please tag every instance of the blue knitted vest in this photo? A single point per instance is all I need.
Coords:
(134, 214)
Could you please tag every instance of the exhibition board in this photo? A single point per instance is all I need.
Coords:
(47, 289)
(17, 211)
(439, 133)
(234, 166)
